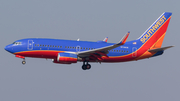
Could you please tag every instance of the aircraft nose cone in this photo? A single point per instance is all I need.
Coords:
(8, 48)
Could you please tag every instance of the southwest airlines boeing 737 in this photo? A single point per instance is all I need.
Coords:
(69, 51)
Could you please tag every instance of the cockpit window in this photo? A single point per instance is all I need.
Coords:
(17, 43)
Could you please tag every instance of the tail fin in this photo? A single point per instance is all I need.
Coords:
(154, 35)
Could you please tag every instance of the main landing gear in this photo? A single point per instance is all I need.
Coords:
(86, 66)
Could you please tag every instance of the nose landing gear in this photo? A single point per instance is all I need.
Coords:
(22, 57)
(23, 62)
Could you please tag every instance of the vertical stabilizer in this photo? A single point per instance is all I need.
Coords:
(156, 32)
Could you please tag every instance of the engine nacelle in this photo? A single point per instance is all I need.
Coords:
(66, 58)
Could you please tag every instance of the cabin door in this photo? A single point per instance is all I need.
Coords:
(134, 52)
(78, 48)
(30, 45)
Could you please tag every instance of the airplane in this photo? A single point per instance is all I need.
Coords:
(72, 51)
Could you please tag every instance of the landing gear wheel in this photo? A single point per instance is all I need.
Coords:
(84, 67)
(88, 66)
(23, 62)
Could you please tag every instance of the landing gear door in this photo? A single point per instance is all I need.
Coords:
(30, 45)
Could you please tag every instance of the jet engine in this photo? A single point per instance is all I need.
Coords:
(66, 58)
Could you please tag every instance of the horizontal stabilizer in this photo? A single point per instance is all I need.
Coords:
(160, 49)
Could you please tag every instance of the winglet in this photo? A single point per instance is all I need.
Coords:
(105, 39)
(123, 40)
